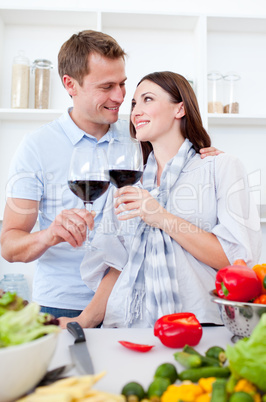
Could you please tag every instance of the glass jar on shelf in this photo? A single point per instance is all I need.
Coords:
(42, 68)
(16, 283)
(231, 92)
(20, 86)
(215, 92)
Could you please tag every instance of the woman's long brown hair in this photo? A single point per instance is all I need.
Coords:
(179, 90)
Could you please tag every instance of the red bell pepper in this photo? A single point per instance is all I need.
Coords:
(136, 346)
(237, 283)
(178, 329)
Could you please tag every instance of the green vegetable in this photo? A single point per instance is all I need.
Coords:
(206, 361)
(133, 388)
(231, 383)
(241, 396)
(216, 352)
(166, 370)
(188, 360)
(10, 301)
(219, 393)
(158, 386)
(22, 326)
(195, 374)
(247, 358)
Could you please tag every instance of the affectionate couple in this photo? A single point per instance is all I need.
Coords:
(193, 215)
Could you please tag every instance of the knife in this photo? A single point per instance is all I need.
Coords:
(79, 351)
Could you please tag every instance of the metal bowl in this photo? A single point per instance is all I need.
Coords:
(238, 317)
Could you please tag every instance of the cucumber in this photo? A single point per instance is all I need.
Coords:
(206, 361)
(194, 374)
(188, 360)
(231, 383)
(241, 396)
(216, 352)
(219, 393)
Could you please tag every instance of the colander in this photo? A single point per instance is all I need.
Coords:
(238, 317)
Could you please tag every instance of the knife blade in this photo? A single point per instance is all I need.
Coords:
(79, 351)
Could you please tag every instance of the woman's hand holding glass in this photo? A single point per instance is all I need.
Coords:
(137, 202)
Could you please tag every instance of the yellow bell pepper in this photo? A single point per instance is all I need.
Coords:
(204, 397)
(247, 386)
(206, 383)
(187, 392)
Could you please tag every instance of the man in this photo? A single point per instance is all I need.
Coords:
(92, 68)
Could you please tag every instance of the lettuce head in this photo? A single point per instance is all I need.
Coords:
(25, 325)
(247, 358)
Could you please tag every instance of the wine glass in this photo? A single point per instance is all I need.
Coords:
(88, 177)
(125, 161)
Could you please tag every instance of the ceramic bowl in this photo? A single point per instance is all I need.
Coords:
(239, 317)
(23, 366)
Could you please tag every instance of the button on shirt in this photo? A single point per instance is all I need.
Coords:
(39, 172)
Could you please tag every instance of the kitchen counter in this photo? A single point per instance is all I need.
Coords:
(123, 365)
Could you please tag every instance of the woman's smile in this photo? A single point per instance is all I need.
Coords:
(141, 123)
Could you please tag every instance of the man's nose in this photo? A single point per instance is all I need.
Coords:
(118, 94)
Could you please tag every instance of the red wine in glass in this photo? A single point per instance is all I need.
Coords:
(88, 177)
(124, 177)
(88, 190)
(125, 161)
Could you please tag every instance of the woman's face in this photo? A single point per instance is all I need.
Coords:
(153, 114)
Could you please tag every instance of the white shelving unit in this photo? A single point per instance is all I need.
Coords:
(189, 43)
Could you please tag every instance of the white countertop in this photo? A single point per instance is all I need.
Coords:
(123, 365)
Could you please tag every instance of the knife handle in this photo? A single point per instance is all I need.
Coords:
(77, 331)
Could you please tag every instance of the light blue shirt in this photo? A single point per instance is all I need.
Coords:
(39, 172)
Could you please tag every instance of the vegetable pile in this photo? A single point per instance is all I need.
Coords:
(236, 374)
(247, 358)
(20, 323)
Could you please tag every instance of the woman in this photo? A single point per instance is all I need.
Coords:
(195, 215)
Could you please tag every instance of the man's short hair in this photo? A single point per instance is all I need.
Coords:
(73, 57)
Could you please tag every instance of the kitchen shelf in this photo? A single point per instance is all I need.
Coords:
(159, 21)
(52, 18)
(13, 115)
(29, 114)
(236, 120)
(262, 210)
(236, 24)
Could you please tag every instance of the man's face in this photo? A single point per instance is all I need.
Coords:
(102, 92)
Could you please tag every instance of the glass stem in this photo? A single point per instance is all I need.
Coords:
(88, 207)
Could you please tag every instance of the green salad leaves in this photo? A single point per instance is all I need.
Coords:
(10, 301)
(25, 324)
(247, 358)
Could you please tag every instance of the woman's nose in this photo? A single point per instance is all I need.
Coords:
(136, 111)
